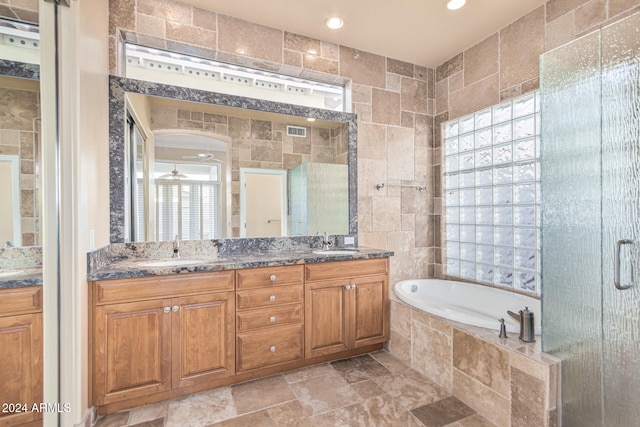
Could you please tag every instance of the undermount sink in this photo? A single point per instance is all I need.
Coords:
(335, 251)
(170, 263)
(9, 273)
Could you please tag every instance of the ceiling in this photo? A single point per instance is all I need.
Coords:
(422, 32)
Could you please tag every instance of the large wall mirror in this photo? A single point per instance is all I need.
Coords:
(204, 165)
(19, 155)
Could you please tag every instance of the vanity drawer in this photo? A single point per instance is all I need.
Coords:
(269, 276)
(137, 289)
(269, 317)
(259, 349)
(342, 269)
(20, 300)
(259, 298)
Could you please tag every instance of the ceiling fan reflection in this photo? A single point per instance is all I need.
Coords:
(204, 157)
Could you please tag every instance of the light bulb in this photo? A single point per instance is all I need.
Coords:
(334, 22)
(455, 4)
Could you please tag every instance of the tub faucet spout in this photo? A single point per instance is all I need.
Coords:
(525, 317)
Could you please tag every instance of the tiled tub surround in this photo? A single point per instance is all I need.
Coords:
(506, 381)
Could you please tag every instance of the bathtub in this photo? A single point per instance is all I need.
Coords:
(467, 303)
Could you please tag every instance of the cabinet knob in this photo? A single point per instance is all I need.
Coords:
(272, 297)
(353, 286)
(176, 308)
(272, 319)
(348, 287)
(272, 349)
(167, 310)
(272, 277)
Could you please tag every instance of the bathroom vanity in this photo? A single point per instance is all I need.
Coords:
(255, 306)
(155, 337)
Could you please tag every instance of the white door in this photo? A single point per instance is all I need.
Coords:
(262, 203)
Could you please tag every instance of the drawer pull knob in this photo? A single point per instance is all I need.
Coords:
(167, 310)
(175, 308)
(272, 319)
(272, 349)
(353, 286)
(272, 277)
(348, 287)
(272, 298)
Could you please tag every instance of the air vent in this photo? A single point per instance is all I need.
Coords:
(297, 131)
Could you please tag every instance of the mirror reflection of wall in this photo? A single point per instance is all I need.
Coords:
(20, 138)
(204, 148)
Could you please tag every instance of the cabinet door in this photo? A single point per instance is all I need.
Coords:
(21, 373)
(132, 350)
(203, 329)
(326, 318)
(370, 309)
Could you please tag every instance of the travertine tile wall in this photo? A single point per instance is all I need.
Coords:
(509, 383)
(259, 144)
(20, 10)
(394, 101)
(506, 65)
(19, 135)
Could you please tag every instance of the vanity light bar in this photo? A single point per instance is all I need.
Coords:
(19, 35)
(197, 72)
(159, 60)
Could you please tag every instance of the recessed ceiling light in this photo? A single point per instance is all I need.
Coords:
(311, 119)
(454, 4)
(334, 22)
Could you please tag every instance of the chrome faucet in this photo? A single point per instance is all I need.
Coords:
(527, 328)
(325, 242)
(176, 248)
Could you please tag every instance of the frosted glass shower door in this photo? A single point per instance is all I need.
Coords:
(621, 220)
(591, 200)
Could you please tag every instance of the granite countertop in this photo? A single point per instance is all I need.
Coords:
(133, 267)
(24, 276)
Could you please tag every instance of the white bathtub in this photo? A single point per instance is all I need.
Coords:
(467, 303)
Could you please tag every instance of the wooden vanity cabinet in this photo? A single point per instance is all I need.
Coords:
(21, 354)
(179, 333)
(346, 305)
(269, 316)
(155, 338)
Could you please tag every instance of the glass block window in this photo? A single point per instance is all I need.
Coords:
(492, 195)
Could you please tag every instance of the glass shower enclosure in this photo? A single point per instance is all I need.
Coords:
(591, 223)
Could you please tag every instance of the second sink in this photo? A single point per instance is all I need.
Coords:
(170, 263)
(336, 251)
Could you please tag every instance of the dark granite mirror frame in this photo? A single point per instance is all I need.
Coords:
(118, 86)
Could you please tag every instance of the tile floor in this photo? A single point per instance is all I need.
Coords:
(371, 390)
